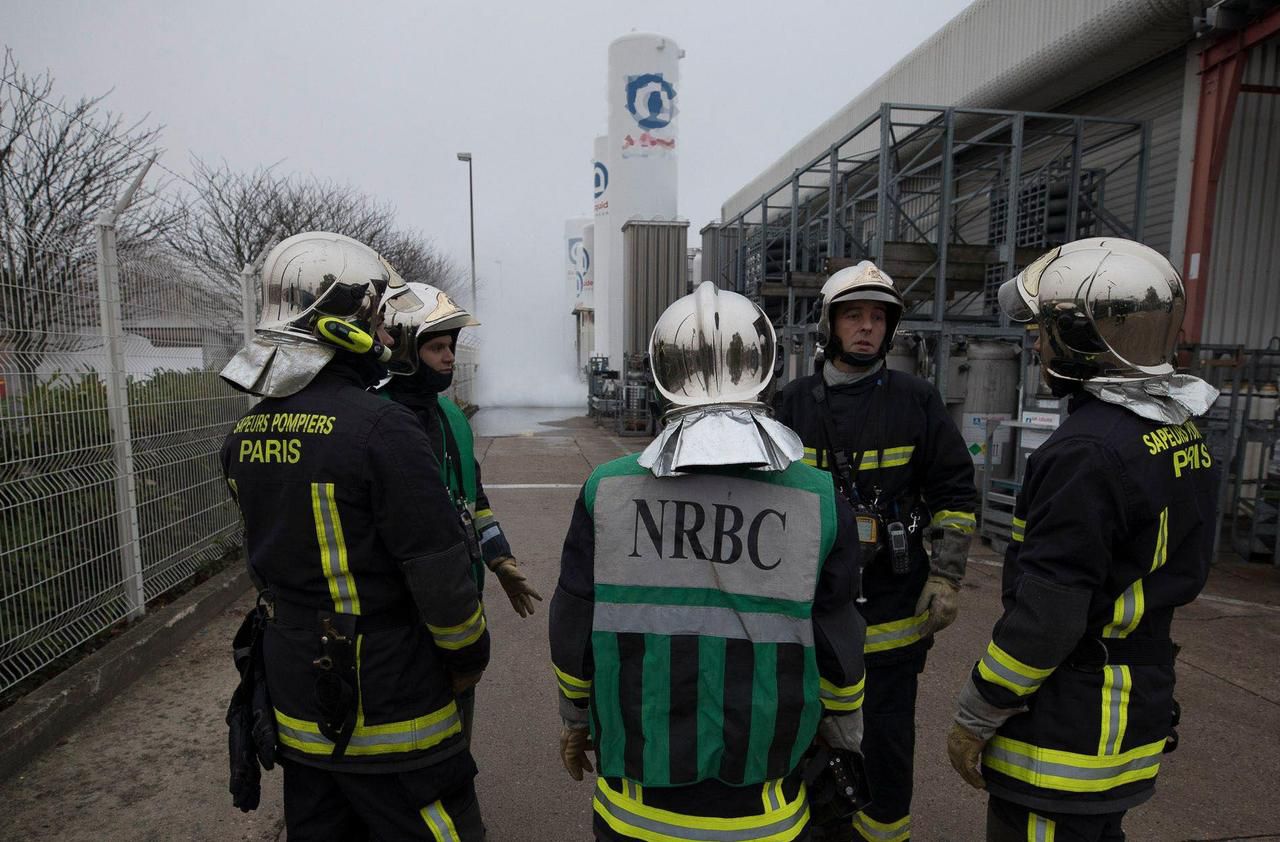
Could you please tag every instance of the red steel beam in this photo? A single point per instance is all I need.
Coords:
(1221, 71)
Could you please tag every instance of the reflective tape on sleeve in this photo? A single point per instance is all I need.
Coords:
(462, 635)
(835, 697)
(571, 687)
(962, 522)
(999, 667)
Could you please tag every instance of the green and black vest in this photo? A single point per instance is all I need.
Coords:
(702, 634)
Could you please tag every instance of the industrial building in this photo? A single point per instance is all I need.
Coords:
(1020, 125)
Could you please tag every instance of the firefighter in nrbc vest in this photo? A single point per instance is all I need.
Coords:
(376, 623)
(1068, 713)
(897, 456)
(703, 631)
(421, 324)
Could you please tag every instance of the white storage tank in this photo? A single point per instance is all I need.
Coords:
(600, 190)
(643, 95)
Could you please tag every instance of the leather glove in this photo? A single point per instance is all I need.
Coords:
(575, 743)
(965, 750)
(939, 597)
(462, 683)
(517, 586)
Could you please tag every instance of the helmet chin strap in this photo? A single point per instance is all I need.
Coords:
(860, 360)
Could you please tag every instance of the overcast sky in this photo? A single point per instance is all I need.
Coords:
(384, 94)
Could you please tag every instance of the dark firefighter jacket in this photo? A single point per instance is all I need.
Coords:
(454, 447)
(337, 523)
(900, 439)
(1113, 529)
(708, 620)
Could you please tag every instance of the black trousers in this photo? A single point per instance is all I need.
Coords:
(1009, 822)
(324, 806)
(888, 749)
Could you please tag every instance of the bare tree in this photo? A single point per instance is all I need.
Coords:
(235, 215)
(61, 165)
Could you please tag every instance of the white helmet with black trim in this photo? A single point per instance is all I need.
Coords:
(861, 282)
(412, 312)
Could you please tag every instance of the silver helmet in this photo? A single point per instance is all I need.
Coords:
(861, 282)
(413, 311)
(712, 346)
(1109, 310)
(317, 274)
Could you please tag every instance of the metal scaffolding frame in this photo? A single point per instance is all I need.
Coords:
(948, 201)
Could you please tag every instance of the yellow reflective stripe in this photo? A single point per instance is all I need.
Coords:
(1116, 682)
(836, 697)
(570, 686)
(1068, 771)
(894, 635)
(1127, 612)
(483, 513)
(1162, 542)
(963, 522)
(1019, 532)
(631, 818)
(333, 549)
(874, 831)
(234, 488)
(810, 457)
(416, 734)
(999, 667)
(461, 635)
(890, 457)
(437, 818)
(1040, 829)
(771, 796)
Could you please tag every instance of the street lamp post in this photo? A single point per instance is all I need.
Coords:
(471, 207)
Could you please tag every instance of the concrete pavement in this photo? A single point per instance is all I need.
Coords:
(151, 764)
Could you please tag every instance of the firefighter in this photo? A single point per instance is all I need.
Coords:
(703, 628)
(1066, 717)
(376, 621)
(897, 455)
(421, 324)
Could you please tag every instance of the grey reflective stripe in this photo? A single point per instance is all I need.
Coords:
(994, 751)
(333, 549)
(843, 698)
(408, 735)
(459, 637)
(879, 637)
(302, 736)
(1041, 829)
(490, 533)
(1118, 690)
(1009, 675)
(771, 796)
(702, 620)
(697, 834)
(875, 831)
(437, 819)
(1128, 602)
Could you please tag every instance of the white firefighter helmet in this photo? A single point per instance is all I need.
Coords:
(861, 282)
(1109, 310)
(316, 274)
(712, 347)
(413, 311)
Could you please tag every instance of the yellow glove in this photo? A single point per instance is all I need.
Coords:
(574, 745)
(940, 598)
(965, 750)
(517, 586)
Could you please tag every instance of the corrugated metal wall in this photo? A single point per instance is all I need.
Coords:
(1243, 302)
(1152, 92)
(655, 272)
(1019, 54)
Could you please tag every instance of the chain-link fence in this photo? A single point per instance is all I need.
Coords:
(111, 415)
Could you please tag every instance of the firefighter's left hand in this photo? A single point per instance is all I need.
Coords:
(965, 750)
(517, 586)
(940, 597)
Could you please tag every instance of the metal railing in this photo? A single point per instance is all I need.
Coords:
(111, 417)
